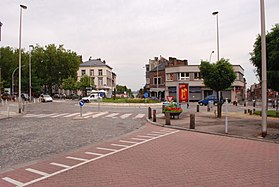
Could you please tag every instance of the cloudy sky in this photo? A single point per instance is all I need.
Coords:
(127, 33)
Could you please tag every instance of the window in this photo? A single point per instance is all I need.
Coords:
(197, 75)
(91, 72)
(100, 81)
(100, 72)
(155, 80)
(82, 72)
(183, 76)
(170, 77)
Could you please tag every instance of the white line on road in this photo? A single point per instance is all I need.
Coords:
(150, 134)
(37, 171)
(139, 116)
(96, 154)
(61, 165)
(111, 115)
(15, 182)
(124, 141)
(139, 139)
(158, 132)
(99, 114)
(141, 136)
(119, 145)
(75, 158)
(125, 116)
(106, 149)
(59, 115)
(71, 115)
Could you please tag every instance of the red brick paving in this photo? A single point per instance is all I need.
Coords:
(180, 159)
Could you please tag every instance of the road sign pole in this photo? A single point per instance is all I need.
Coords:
(80, 111)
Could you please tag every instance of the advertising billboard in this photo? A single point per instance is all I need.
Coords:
(183, 92)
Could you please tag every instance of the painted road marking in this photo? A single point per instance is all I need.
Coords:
(124, 141)
(82, 163)
(106, 149)
(75, 158)
(70, 115)
(61, 165)
(15, 182)
(37, 171)
(157, 132)
(139, 139)
(139, 116)
(150, 134)
(59, 115)
(125, 115)
(160, 115)
(166, 130)
(112, 115)
(88, 113)
(119, 145)
(99, 114)
(141, 136)
(96, 154)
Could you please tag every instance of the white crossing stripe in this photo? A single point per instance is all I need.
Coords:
(29, 115)
(145, 136)
(71, 115)
(166, 130)
(99, 114)
(139, 116)
(44, 115)
(157, 132)
(106, 149)
(160, 115)
(150, 134)
(119, 145)
(75, 158)
(37, 171)
(88, 113)
(139, 139)
(10, 180)
(61, 165)
(112, 115)
(124, 141)
(59, 115)
(91, 153)
(125, 116)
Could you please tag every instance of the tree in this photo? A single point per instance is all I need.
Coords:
(272, 57)
(217, 76)
(121, 89)
(69, 84)
(83, 83)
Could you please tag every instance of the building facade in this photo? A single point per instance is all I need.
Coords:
(101, 75)
(179, 71)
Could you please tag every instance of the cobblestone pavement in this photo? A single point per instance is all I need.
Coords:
(157, 156)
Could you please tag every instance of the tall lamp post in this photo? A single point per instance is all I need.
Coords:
(264, 81)
(30, 80)
(19, 58)
(216, 13)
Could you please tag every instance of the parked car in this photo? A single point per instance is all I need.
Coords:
(45, 98)
(25, 97)
(205, 101)
(91, 97)
(59, 95)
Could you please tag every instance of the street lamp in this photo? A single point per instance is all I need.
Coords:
(210, 56)
(264, 81)
(30, 81)
(19, 58)
(216, 13)
(13, 90)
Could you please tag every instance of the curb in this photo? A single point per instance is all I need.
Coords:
(260, 139)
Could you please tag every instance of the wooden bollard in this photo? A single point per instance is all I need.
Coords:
(192, 121)
(251, 112)
(167, 116)
(154, 115)
(149, 113)
(245, 111)
(198, 108)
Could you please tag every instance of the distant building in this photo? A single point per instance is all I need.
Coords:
(101, 75)
(170, 73)
(255, 92)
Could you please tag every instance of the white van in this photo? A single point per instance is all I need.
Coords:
(91, 97)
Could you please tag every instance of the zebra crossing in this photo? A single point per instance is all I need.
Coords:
(86, 115)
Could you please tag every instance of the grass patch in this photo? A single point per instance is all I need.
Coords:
(129, 100)
(270, 113)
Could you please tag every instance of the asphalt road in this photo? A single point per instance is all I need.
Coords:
(50, 128)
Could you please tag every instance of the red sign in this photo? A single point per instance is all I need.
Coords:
(169, 98)
(183, 93)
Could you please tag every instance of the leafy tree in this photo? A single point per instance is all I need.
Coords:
(272, 57)
(69, 84)
(217, 76)
(83, 83)
(121, 89)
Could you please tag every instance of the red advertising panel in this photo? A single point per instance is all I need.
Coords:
(183, 93)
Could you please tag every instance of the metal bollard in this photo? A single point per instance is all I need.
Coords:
(192, 121)
(245, 111)
(198, 108)
(167, 116)
(149, 113)
(154, 115)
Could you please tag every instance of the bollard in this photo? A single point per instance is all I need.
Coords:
(244, 103)
(254, 110)
(245, 111)
(149, 113)
(154, 115)
(192, 121)
(198, 108)
(250, 112)
(167, 116)
(208, 109)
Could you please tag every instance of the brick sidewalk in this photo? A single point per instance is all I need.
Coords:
(160, 157)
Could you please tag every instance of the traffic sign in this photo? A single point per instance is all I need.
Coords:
(145, 95)
(81, 103)
(169, 98)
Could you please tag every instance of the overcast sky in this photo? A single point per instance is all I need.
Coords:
(127, 33)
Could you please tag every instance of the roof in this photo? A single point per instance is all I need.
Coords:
(161, 67)
(94, 63)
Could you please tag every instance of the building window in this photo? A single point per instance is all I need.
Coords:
(155, 80)
(184, 76)
(100, 72)
(100, 81)
(82, 72)
(170, 77)
(91, 72)
(197, 75)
